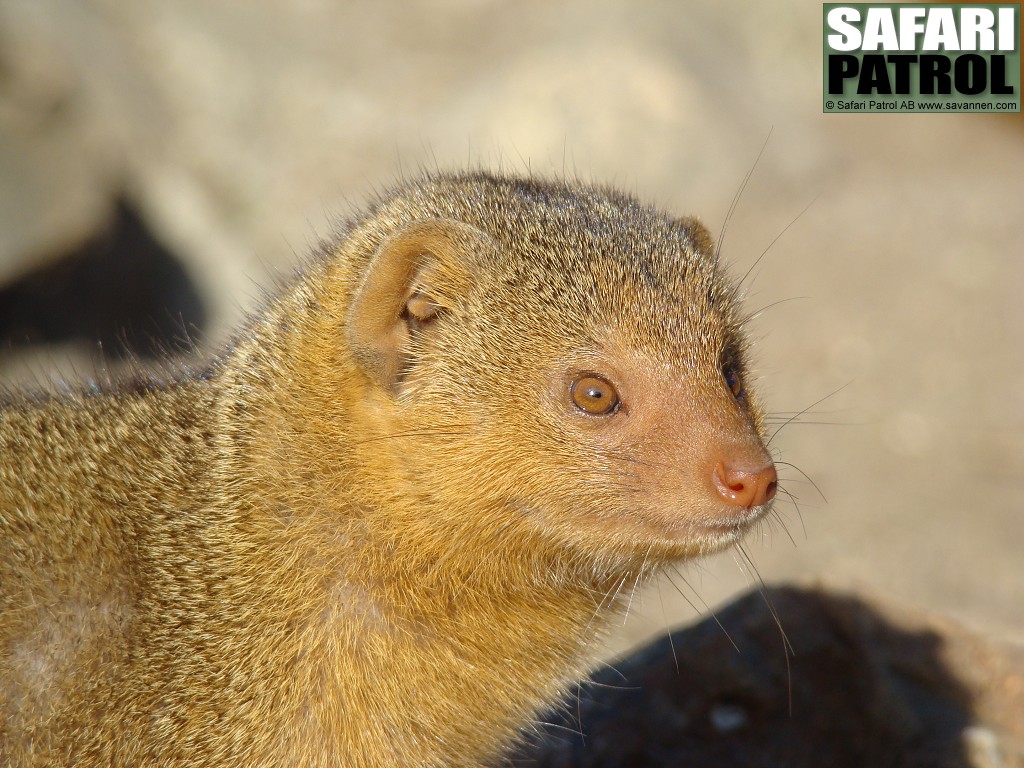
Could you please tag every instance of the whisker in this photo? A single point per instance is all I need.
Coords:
(777, 237)
(776, 517)
(458, 430)
(707, 608)
(739, 193)
(798, 422)
(805, 410)
(606, 600)
(636, 582)
(800, 515)
(668, 629)
(807, 478)
(758, 312)
(789, 494)
(787, 647)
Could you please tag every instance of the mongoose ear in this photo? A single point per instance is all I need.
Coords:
(703, 242)
(413, 279)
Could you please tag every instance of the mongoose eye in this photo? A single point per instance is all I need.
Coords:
(594, 395)
(733, 381)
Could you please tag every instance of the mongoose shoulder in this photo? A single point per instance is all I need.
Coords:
(384, 525)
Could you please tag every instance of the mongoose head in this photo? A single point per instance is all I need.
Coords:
(565, 358)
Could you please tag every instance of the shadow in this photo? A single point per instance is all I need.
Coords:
(856, 692)
(121, 289)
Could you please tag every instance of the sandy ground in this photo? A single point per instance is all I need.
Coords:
(892, 316)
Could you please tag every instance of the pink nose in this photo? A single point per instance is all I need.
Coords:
(744, 487)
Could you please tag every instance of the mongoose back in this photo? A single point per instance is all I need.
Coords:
(383, 526)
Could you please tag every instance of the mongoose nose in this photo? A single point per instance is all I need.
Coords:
(746, 488)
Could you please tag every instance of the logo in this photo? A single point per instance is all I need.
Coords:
(893, 57)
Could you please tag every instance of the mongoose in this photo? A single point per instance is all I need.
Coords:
(385, 524)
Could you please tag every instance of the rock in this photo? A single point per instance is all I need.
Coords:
(119, 292)
(799, 677)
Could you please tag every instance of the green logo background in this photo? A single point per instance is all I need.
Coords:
(913, 101)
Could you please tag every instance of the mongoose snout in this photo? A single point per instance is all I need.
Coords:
(746, 487)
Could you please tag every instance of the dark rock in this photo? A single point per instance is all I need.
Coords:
(793, 677)
(121, 289)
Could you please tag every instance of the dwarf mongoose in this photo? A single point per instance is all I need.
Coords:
(384, 525)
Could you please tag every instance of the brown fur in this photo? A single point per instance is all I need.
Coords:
(375, 531)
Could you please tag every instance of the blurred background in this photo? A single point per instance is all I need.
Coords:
(161, 160)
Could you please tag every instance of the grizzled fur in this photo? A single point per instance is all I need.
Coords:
(375, 530)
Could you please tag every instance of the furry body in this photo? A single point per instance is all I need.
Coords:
(376, 531)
